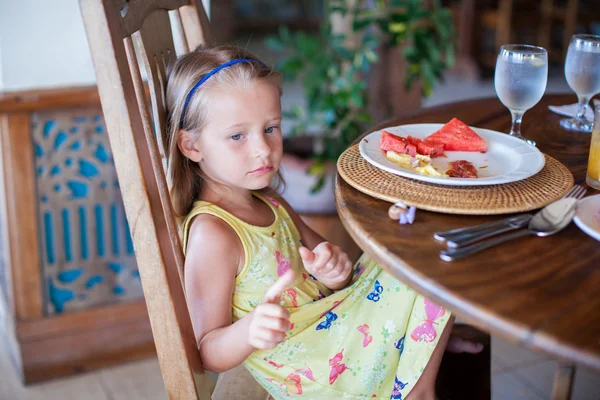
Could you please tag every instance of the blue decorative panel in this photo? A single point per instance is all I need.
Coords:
(87, 253)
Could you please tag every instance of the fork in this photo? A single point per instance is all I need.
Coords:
(573, 192)
(466, 236)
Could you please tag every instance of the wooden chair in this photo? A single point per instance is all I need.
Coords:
(137, 138)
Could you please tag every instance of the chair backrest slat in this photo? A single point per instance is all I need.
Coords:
(155, 140)
(195, 33)
(135, 12)
(137, 138)
(157, 51)
(181, 46)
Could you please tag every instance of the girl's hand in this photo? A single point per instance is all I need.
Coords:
(271, 321)
(329, 264)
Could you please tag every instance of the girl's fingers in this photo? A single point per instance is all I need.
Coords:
(341, 267)
(262, 344)
(323, 253)
(307, 256)
(348, 266)
(270, 310)
(330, 265)
(273, 295)
(276, 324)
(269, 335)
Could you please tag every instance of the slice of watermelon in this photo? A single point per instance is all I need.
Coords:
(457, 136)
(431, 149)
(398, 144)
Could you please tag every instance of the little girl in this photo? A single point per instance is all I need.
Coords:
(263, 289)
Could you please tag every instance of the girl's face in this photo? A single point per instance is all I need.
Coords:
(241, 146)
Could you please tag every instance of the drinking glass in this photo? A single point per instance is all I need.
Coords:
(582, 70)
(520, 80)
(593, 170)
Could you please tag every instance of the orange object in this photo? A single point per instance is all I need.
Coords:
(593, 169)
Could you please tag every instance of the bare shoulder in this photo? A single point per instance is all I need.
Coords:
(210, 225)
(212, 239)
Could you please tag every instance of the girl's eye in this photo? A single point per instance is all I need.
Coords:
(271, 129)
(237, 136)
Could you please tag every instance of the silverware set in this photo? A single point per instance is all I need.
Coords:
(551, 219)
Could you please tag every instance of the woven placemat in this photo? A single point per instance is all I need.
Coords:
(551, 183)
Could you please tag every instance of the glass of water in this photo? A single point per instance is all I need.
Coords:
(582, 70)
(520, 80)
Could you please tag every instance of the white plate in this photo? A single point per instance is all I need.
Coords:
(508, 159)
(587, 216)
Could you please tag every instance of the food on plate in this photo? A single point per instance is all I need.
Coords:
(457, 136)
(416, 154)
(397, 144)
(432, 149)
(461, 169)
(418, 163)
(409, 145)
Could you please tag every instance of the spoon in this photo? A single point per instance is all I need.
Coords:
(548, 221)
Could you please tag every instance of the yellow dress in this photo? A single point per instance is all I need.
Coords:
(371, 339)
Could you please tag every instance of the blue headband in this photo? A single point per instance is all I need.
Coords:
(208, 75)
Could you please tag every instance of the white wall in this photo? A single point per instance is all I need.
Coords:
(44, 46)
(1, 79)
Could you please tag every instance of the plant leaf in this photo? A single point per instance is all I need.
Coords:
(274, 43)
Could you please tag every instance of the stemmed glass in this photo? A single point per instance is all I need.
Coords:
(520, 81)
(582, 70)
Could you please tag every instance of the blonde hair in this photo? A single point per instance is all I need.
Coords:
(184, 176)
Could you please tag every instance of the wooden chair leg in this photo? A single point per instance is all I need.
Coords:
(563, 381)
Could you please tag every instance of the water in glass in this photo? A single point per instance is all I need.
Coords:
(582, 71)
(520, 80)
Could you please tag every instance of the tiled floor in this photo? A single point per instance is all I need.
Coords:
(133, 381)
(517, 374)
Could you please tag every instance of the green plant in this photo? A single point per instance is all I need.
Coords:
(332, 67)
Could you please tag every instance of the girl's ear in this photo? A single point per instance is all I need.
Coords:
(187, 145)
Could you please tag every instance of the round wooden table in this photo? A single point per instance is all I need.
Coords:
(543, 293)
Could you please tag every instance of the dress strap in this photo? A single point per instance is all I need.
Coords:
(202, 207)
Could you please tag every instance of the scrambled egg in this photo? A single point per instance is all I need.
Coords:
(420, 163)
